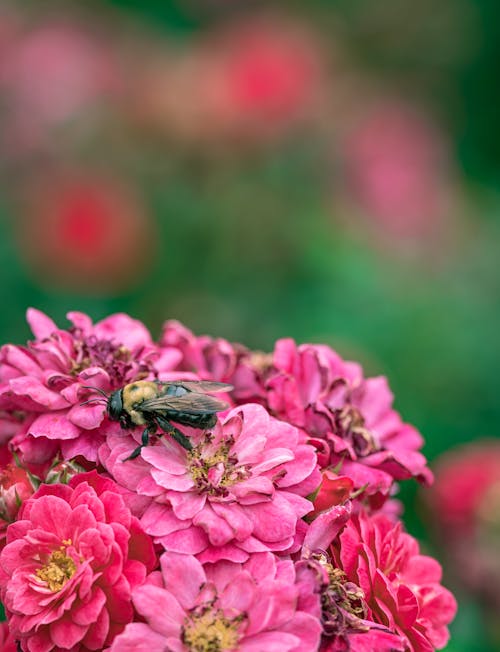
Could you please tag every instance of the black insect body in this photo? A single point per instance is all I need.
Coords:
(155, 404)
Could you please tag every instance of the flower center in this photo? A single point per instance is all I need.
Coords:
(350, 425)
(342, 602)
(213, 467)
(210, 631)
(116, 359)
(58, 569)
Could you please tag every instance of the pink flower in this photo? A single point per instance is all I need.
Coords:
(51, 74)
(467, 479)
(399, 587)
(466, 509)
(45, 381)
(250, 607)
(349, 418)
(397, 169)
(250, 82)
(261, 76)
(70, 565)
(240, 490)
(83, 230)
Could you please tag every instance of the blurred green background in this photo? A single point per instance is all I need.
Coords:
(328, 171)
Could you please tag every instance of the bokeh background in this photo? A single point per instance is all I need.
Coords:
(327, 170)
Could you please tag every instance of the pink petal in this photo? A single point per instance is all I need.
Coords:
(32, 388)
(239, 594)
(86, 416)
(186, 505)
(272, 521)
(270, 642)
(184, 576)
(325, 528)
(41, 325)
(86, 612)
(65, 634)
(160, 608)
(190, 541)
(54, 426)
(139, 637)
(217, 528)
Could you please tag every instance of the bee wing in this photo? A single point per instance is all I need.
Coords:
(201, 385)
(192, 403)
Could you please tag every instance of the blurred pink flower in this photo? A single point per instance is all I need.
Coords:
(248, 81)
(70, 565)
(398, 171)
(465, 501)
(81, 230)
(240, 490)
(400, 587)
(262, 74)
(466, 479)
(250, 607)
(46, 380)
(50, 74)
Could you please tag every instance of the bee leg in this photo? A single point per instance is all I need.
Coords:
(175, 433)
(144, 442)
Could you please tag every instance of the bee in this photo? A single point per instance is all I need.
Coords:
(154, 404)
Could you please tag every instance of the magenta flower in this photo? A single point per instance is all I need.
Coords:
(240, 490)
(350, 418)
(250, 607)
(44, 381)
(70, 565)
(399, 589)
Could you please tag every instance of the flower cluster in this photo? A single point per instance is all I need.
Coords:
(135, 516)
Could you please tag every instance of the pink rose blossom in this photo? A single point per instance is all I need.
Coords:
(250, 607)
(399, 587)
(70, 565)
(240, 490)
(46, 381)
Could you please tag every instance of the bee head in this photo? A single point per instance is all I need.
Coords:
(115, 405)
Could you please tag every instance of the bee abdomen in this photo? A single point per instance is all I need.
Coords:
(196, 420)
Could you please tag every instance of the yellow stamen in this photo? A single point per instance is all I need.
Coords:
(58, 570)
(211, 631)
